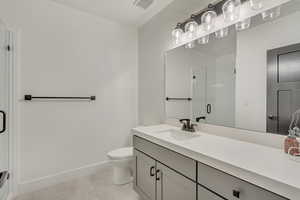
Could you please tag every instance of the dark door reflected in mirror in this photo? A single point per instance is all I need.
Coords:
(283, 98)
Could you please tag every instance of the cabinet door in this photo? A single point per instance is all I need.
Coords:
(173, 186)
(204, 194)
(144, 176)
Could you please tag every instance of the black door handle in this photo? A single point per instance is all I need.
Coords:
(208, 108)
(3, 121)
(272, 117)
(3, 178)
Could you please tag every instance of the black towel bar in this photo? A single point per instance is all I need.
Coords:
(29, 97)
(178, 99)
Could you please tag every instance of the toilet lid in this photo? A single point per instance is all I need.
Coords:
(119, 154)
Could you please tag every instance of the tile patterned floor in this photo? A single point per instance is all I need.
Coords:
(94, 187)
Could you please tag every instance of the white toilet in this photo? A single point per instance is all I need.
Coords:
(122, 160)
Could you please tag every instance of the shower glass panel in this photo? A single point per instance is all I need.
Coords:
(199, 94)
(4, 137)
(220, 93)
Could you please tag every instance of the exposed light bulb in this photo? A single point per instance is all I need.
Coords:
(177, 35)
(256, 4)
(222, 33)
(231, 10)
(191, 29)
(208, 20)
(190, 45)
(271, 14)
(203, 40)
(242, 25)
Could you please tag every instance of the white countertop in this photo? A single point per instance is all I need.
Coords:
(264, 166)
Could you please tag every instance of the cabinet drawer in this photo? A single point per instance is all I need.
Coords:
(178, 162)
(204, 194)
(231, 187)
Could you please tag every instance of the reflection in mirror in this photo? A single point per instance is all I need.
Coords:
(249, 79)
(205, 73)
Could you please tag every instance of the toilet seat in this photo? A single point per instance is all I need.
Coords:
(121, 154)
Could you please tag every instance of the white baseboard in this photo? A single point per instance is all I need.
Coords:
(40, 183)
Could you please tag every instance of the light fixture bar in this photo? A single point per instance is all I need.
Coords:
(215, 6)
(245, 12)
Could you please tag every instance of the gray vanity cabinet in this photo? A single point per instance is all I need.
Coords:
(144, 176)
(162, 174)
(154, 181)
(173, 186)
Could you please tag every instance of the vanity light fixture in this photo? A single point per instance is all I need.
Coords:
(177, 34)
(203, 40)
(222, 33)
(231, 10)
(256, 4)
(208, 20)
(190, 45)
(271, 14)
(191, 28)
(242, 25)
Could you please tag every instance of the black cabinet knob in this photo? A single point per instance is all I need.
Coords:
(236, 193)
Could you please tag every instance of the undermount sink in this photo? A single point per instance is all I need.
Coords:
(177, 135)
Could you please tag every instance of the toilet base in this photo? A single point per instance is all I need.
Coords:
(122, 172)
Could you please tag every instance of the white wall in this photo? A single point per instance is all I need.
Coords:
(65, 52)
(251, 79)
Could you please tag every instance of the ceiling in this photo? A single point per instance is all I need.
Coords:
(122, 11)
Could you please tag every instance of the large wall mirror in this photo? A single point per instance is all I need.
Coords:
(249, 79)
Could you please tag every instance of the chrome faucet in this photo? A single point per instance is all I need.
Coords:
(187, 125)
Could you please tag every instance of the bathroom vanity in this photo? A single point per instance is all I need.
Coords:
(243, 79)
(174, 165)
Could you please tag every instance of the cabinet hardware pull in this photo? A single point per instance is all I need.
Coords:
(3, 122)
(152, 172)
(236, 193)
(157, 175)
(208, 108)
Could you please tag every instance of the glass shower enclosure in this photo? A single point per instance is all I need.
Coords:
(4, 108)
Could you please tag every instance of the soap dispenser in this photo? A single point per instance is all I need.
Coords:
(291, 144)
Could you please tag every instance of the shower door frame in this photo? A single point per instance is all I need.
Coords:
(13, 38)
